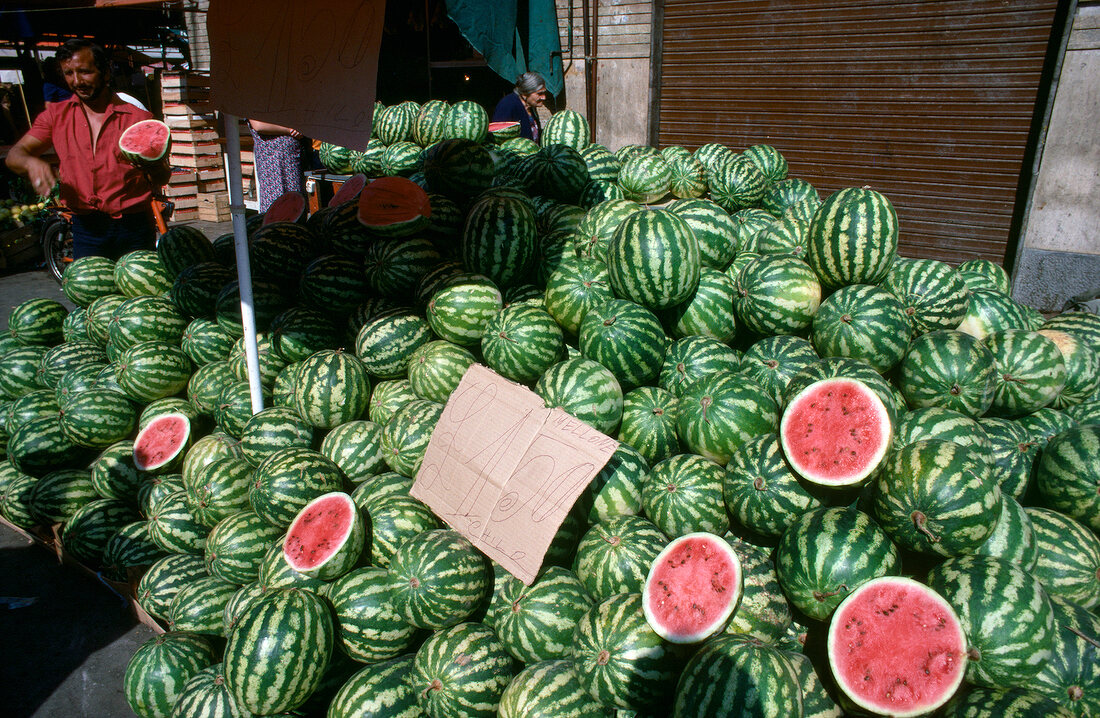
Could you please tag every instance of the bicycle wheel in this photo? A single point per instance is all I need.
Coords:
(57, 245)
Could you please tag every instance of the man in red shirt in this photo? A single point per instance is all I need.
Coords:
(110, 198)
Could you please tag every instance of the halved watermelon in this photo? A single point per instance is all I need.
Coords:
(896, 647)
(693, 587)
(835, 432)
(145, 142)
(349, 190)
(288, 207)
(394, 207)
(503, 131)
(162, 442)
(326, 538)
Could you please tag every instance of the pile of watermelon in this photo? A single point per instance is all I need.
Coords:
(847, 482)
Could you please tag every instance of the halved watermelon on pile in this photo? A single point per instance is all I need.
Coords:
(394, 207)
(326, 538)
(349, 190)
(163, 441)
(503, 131)
(288, 207)
(145, 142)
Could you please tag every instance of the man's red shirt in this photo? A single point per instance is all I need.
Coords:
(99, 181)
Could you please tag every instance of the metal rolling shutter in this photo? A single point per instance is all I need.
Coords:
(929, 102)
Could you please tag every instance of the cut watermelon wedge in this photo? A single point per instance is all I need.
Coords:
(145, 142)
(394, 207)
(503, 131)
(896, 647)
(694, 586)
(326, 538)
(835, 432)
(349, 190)
(160, 445)
(288, 207)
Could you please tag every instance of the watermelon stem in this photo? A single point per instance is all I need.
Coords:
(920, 523)
(1083, 637)
(822, 595)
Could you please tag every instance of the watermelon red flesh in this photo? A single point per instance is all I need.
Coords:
(393, 201)
(318, 531)
(287, 207)
(145, 141)
(161, 441)
(835, 432)
(349, 190)
(692, 589)
(896, 647)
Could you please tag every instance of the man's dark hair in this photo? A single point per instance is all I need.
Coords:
(99, 55)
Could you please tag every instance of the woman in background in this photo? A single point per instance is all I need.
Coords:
(520, 105)
(278, 155)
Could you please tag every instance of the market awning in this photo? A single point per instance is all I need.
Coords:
(514, 36)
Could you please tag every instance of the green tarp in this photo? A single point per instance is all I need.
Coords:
(514, 36)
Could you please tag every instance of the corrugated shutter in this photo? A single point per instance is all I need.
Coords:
(929, 102)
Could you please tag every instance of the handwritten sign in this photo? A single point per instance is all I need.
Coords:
(312, 66)
(504, 470)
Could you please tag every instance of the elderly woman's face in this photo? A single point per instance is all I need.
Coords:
(536, 98)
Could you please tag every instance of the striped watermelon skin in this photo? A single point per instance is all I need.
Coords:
(19, 371)
(773, 361)
(436, 368)
(276, 655)
(207, 383)
(734, 675)
(1068, 565)
(990, 311)
(499, 241)
(466, 120)
(447, 687)
(378, 690)
(58, 360)
(428, 126)
(683, 494)
(88, 279)
(38, 322)
(932, 294)
(140, 273)
(709, 311)
(289, 479)
(735, 182)
(39, 447)
(387, 397)
(548, 689)
(368, 628)
(172, 524)
(1082, 369)
(74, 381)
(164, 579)
(693, 357)
(1071, 675)
(769, 161)
(566, 127)
(791, 195)
(15, 500)
(38, 404)
(274, 428)
(199, 607)
(617, 488)
(146, 319)
(535, 623)
(586, 389)
(556, 171)
(1084, 325)
(385, 343)
(864, 322)
(936, 497)
(59, 494)
(764, 611)
(204, 342)
(205, 694)
(984, 274)
(1029, 371)
(131, 547)
(714, 229)
(458, 168)
(329, 282)
(614, 556)
(776, 294)
(626, 338)
(786, 235)
(521, 342)
(826, 553)
(160, 668)
(74, 328)
(602, 164)
(645, 178)
(89, 528)
(853, 238)
(687, 177)
(575, 287)
(979, 702)
(439, 579)
(99, 314)
(653, 259)
(356, 447)
(395, 520)
(598, 226)
(400, 159)
(1006, 615)
(332, 387)
(948, 369)
(932, 422)
(720, 412)
(1013, 538)
(181, 246)
(1067, 477)
(761, 491)
(619, 659)
(300, 331)
(236, 546)
(97, 418)
(153, 370)
(460, 311)
(649, 423)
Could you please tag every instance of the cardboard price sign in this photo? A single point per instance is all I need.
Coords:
(504, 470)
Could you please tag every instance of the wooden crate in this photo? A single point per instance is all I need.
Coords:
(214, 206)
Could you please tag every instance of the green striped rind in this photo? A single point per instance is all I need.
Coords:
(1068, 475)
(39, 447)
(764, 611)
(761, 491)
(864, 322)
(535, 623)
(602, 164)
(458, 168)
(439, 579)
(932, 422)
(140, 273)
(60, 359)
(356, 447)
(199, 607)
(773, 361)
(274, 428)
(1084, 325)
(936, 497)
(521, 342)
(97, 418)
(687, 177)
(461, 672)
(329, 282)
(301, 331)
(395, 267)
(38, 322)
(816, 699)
(19, 371)
(74, 381)
(575, 287)
(735, 675)
(617, 488)
(786, 235)
(99, 314)
(615, 556)
(1029, 371)
(379, 690)
(1072, 675)
(715, 230)
(984, 274)
(853, 238)
(395, 123)
(460, 311)
(146, 319)
(205, 695)
(649, 423)
(691, 358)
(990, 311)
(236, 546)
(181, 246)
(394, 521)
(131, 547)
(159, 670)
(153, 370)
(289, 479)
(735, 182)
(720, 412)
(382, 486)
(1082, 369)
(791, 195)
(566, 127)
(269, 299)
(466, 120)
(207, 383)
(626, 338)
(769, 161)
(428, 126)
(204, 342)
(207, 449)
(1006, 615)
(619, 659)
(401, 159)
(385, 343)
(556, 171)
(173, 526)
(978, 702)
(683, 494)
(195, 290)
(710, 153)
(709, 311)
(653, 259)
(499, 239)
(332, 387)
(1012, 453)
(1069, 557)
(948, 369)
(37, 404)
(645, 178)
(159, 585)
(368, 628)
(932, 294)
(595, 231)
(826, 553)
(387, 397)
(749, 223)
(548, 689)
(15, 501)
(74, 328)
(88, 279)
(277, 653)
(90, 527)
(436, 368)
(59, 494)
(586, 389)
(1043, 424)
(776, 294)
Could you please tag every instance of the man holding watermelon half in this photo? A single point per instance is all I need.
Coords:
(110, 197)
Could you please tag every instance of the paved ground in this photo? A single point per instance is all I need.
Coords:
(66, 638)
